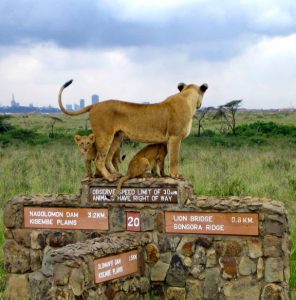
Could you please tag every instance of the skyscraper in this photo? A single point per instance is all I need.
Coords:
(82, 103)
(13, 102)
(94, 99)
(69, 107)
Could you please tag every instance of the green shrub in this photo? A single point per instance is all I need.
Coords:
(83, 132)
(17, 135)
(4, 126)
(266, 129)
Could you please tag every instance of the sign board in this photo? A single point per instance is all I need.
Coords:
(212, 223)
(135, 195)
(116, 266)
(65, 218)
(133, 221)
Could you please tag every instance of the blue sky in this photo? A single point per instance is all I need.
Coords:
(138, 50)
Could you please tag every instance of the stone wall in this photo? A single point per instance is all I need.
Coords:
(59, 263)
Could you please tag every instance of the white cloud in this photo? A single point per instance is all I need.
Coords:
(147, 11)
(260, 14)
(263, 75)
(271, 13)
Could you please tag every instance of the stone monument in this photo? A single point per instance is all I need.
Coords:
(156, 241)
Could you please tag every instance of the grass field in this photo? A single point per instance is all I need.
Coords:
(262, 165)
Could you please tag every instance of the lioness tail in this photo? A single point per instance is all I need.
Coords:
(67, 83)
(67, 112)
(121, 181)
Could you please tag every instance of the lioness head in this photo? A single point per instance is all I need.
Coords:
(183, 87)
(85, 143)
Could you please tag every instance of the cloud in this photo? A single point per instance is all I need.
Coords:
(211, 29)
(139, 50)
(263, 75)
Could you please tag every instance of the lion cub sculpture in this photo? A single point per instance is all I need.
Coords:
(88, 149)
(149, 159)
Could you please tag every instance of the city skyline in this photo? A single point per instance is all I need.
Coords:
(19, 108)
(93, 99)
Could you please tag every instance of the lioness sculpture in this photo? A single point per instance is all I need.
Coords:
(167, 122)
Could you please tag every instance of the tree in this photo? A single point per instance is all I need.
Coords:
(228, 113)
(54, 120)
(200, 117)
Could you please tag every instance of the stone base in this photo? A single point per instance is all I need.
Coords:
(59, 263)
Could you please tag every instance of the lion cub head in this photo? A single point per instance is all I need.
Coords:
(86, 144)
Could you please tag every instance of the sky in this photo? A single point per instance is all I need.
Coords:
(139, 50)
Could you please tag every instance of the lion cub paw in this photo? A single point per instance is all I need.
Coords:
(177, 176)
(118, 174)
(112, 177)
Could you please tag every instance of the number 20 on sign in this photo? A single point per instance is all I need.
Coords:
(133, 221)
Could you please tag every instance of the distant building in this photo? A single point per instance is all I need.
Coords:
(146, 102)
(76, 106)
(16, 108)
(82, 103)
(94, 99)
(13, 102)
(69, 107)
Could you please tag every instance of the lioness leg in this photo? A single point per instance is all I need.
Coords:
(174, 152)
(116, 160)
(115, 146)
(103, 144)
